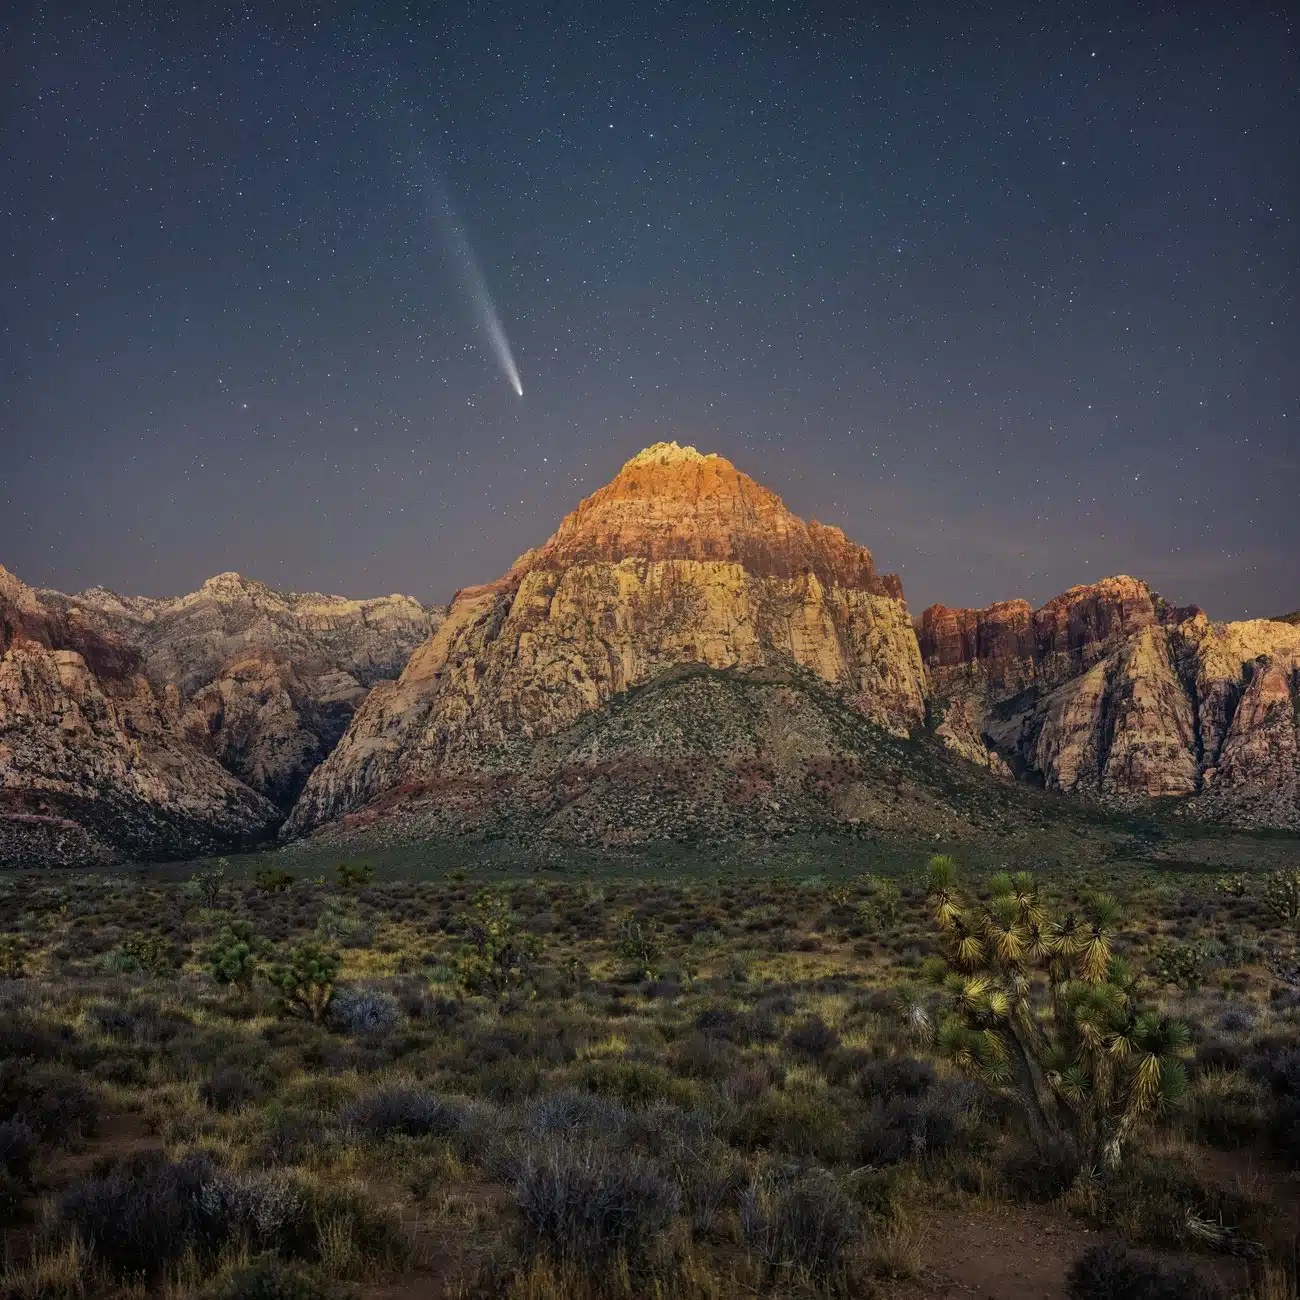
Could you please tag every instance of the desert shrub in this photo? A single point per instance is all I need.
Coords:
(23, 1038)
(52, 1101)
(288, 1136)
(570, 1113)
(1238, 1019)
(141, 954)
(351, 875)
(792, 1124)
(228, 1088)
(582, 1205)
(748, 1083)
(638, 942)
(636, 1083)
(270, 1278)
(273, 880)
(904, 1126)
(701, 1056)
(17, 1151)
(235, 954)
(1035, 1173)
(1231, 886)
(1225, 1111)
(1182, 964)
(728, 1024)
(902, 1076)
(13, 957)
(803, 1227)
(1113, 1272)
(364, 1012)
(337, 925)
(305, 981)
(143, 1025)
(1279, 1072)
(411, 1112)
(814, 1039)
(142, 1218)
(709, 1187)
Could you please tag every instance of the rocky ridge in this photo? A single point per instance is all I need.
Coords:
(93, 762)
(680, 559)
(1111, 692)
(264, 681)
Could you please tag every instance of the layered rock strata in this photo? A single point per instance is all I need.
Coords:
(264, 681)
(680, 559)
(93, 763)
(1110, 691)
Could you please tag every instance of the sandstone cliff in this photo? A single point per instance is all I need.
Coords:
(680, 559)
(93, 763)
(1109, 691)
(264, 681)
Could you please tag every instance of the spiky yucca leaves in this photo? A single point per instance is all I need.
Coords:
(1047, 1011)
(941, 877)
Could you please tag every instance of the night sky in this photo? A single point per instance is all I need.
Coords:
(1007, 292)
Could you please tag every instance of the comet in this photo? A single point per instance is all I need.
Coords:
(469, 275)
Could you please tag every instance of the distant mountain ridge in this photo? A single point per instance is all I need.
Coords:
(146, 728)
(1106, 692)
(1110, 692)
(683, 657)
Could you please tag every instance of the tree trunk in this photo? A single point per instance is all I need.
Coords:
(1047, 1111)
(1041, 1109)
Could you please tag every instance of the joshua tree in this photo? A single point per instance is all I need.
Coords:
(1282, 897)
(1045, 1010)
(306, 979)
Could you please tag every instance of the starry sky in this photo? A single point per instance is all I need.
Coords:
(1009, 292)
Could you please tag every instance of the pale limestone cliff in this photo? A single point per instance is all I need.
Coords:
(264, 681)
(93, 764)
(681, 559)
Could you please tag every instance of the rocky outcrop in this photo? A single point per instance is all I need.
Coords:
(1124, 729)
(1111, 692)
(1009, 646)
(1246, 681)
(680, 559)
(708, 756)
(93, 763)
(264, 681)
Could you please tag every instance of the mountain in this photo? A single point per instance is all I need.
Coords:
(680, 560)
(142, 728)
(264, 681)
(682, 658)
(93, 764)
(1110, 692)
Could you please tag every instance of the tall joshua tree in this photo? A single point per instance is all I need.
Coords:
(1045, 1010)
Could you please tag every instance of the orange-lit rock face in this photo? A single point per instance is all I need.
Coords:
(671, 503)
(680, 559)
(1108, 690)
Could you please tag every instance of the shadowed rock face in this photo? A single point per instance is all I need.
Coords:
(1110, 691)
(681, 559)
(264, 681)
(93, 764)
